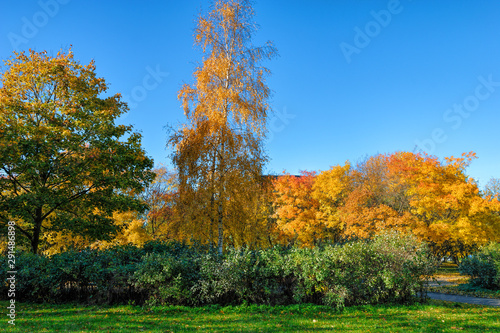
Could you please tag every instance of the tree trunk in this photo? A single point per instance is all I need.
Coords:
(221, 230)
(35, 240)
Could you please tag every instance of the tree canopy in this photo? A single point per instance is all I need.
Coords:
(64, 163)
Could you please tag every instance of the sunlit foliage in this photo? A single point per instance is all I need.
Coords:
(219, 153)
(65, 166)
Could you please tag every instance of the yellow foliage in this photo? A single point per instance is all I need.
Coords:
(219, 154)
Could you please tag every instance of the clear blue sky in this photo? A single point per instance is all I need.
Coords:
(354, 77)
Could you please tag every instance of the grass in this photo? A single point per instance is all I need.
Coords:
(449, 272)
(434, 316)
(448, 268)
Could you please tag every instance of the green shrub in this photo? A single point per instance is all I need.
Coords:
(388, 268)
(167, 278)
(32, 280)
(245, 276)
(483, 267)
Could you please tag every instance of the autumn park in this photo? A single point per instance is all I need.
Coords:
(96, 236)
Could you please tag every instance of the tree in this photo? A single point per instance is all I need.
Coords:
(376, 201)
(297, 211)
(65, 165)
(444, 201)
(161, 220)
(492, 188)
(219, 154)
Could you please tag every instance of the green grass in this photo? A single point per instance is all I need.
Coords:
(448, 268)
(434, 316)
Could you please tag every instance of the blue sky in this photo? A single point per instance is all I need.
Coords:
(354, 77)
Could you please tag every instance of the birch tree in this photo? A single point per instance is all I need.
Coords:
(219, 152)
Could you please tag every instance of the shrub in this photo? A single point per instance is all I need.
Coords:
(388, 268)
(32, 280)
(167, 278)
(249, 276)
(483, 268)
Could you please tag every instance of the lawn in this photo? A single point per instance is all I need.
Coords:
(434, 316)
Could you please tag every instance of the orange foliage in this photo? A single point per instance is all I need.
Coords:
(404, 191)
(445, 202)
(298, 213)
(375, 203)
(219, 152)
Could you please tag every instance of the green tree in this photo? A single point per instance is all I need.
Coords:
(65, 165)
(219, 154)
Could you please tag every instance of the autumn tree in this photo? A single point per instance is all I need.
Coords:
(129, 226)
(331, 189)
(65, 165)
(376, 202)
(219, 152)
(446, 204)
(492, 188)
(296, 210)
(161, 218)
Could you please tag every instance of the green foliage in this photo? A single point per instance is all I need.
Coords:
(483, 267)
(249, 276)
(32, 279)
(65, 165)
(169, 276)
(388, 269)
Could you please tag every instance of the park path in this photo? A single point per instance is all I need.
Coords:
(465, 299)
(459, 298)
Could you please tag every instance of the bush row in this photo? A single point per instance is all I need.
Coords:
(390, 268)
(483, 267)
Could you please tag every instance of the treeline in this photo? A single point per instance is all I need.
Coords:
(434, 200)
(408, 192)
(388, 268)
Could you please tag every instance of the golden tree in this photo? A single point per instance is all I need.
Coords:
(446, 203)
(219, 154)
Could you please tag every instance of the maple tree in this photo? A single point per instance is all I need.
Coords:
(331, 188)
(375, 203)
(302, 213)
(65, 165)
(402, 191)
(219, 154)
(446, 204)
